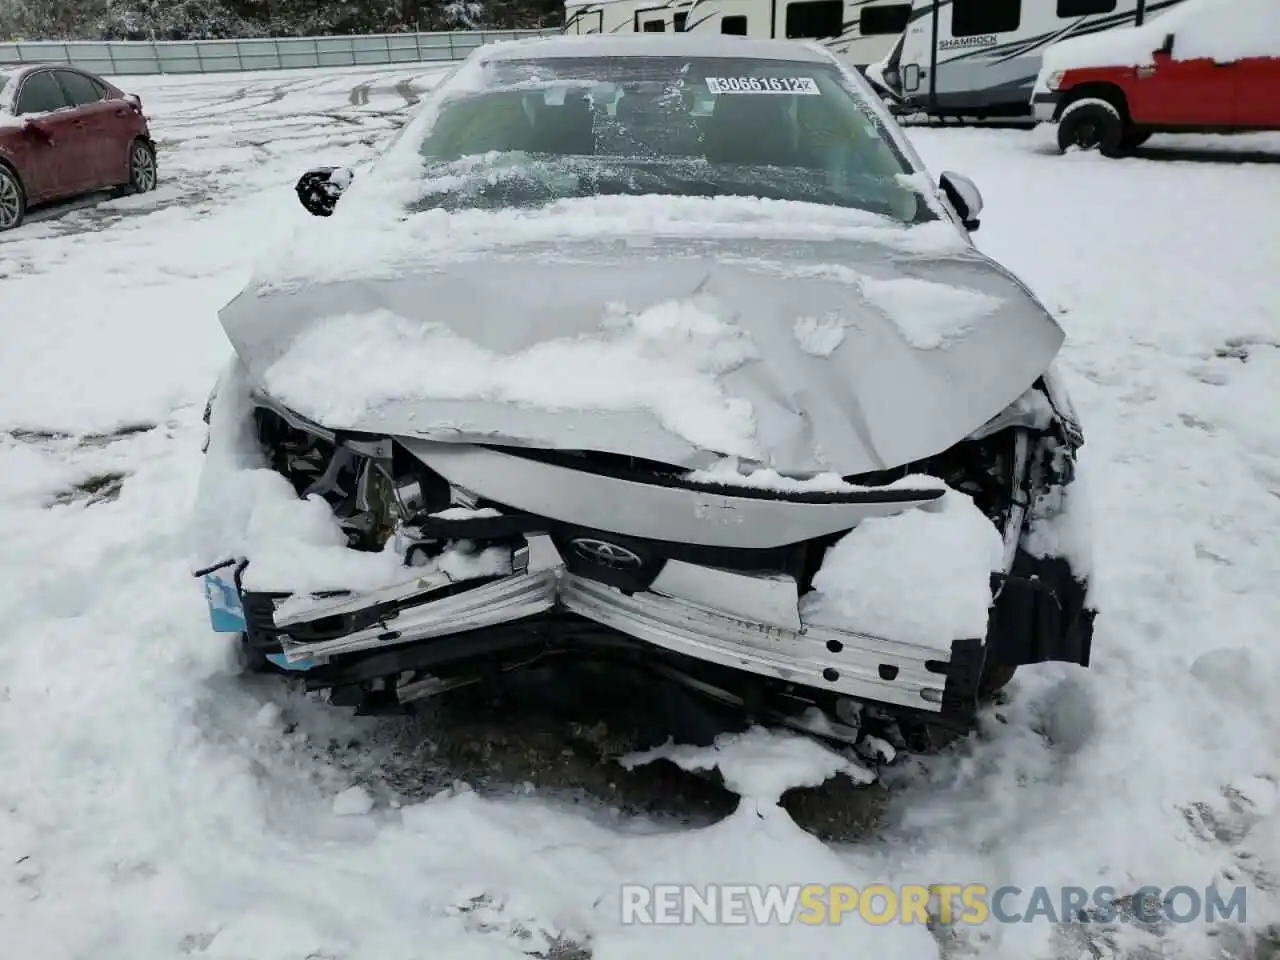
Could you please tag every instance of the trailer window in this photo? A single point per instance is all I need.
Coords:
(735, 26)
(1085, 8)
(815, 19)
(655, 26)
(970, 18)
(678, 21)
(889, 19)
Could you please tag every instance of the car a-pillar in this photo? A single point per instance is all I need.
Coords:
(1096, 117)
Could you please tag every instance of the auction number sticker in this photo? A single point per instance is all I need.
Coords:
(804, 85)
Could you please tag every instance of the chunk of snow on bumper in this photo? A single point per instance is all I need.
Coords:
(728, 472)
(819, 336)
(466, 513)
(921, 577)
(459, 562)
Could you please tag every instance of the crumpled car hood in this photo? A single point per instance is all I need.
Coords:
(866, 357)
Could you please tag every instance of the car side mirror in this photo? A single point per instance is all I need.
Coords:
(963, 194)
(1165, 49)
(319, 189)
(38, 130)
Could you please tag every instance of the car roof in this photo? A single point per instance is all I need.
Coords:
(16, 71)
(20, 69)
(653, 45)
(13, 73)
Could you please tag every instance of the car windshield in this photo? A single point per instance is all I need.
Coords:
(544, 130)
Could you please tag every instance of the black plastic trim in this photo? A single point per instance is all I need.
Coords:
(1040, 614)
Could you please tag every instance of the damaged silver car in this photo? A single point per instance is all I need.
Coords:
(660, 355)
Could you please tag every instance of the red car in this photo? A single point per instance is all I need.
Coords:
(1204, 66)
(65, 132)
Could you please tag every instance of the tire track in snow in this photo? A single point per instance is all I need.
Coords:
(186, 131)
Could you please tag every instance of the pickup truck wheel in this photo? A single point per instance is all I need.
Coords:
(1092, 124)
(13, 201)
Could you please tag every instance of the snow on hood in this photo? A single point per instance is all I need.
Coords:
(676, 350)
(1215, 29)
(392, 243)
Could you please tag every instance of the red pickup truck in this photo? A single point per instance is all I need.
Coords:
(1205, 66)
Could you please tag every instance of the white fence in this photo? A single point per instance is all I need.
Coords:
(134, 57)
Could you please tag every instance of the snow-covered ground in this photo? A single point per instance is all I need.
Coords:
(153, 806)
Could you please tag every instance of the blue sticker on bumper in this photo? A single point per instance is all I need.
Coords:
(225, 612)
(279, 660)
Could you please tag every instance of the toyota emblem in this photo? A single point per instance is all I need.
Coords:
(606, 554)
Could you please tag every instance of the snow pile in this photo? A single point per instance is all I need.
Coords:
(759, 765)
(928, 314)
(920, 577)
(1214, 29)
(352, 802)
(1226, 30)
(819, 336)
(664, 360)
(549, 870)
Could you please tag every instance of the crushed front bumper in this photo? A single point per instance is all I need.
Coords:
(740, 622)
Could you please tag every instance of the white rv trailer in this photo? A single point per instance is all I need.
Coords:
(980, 58)
(861, 31)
